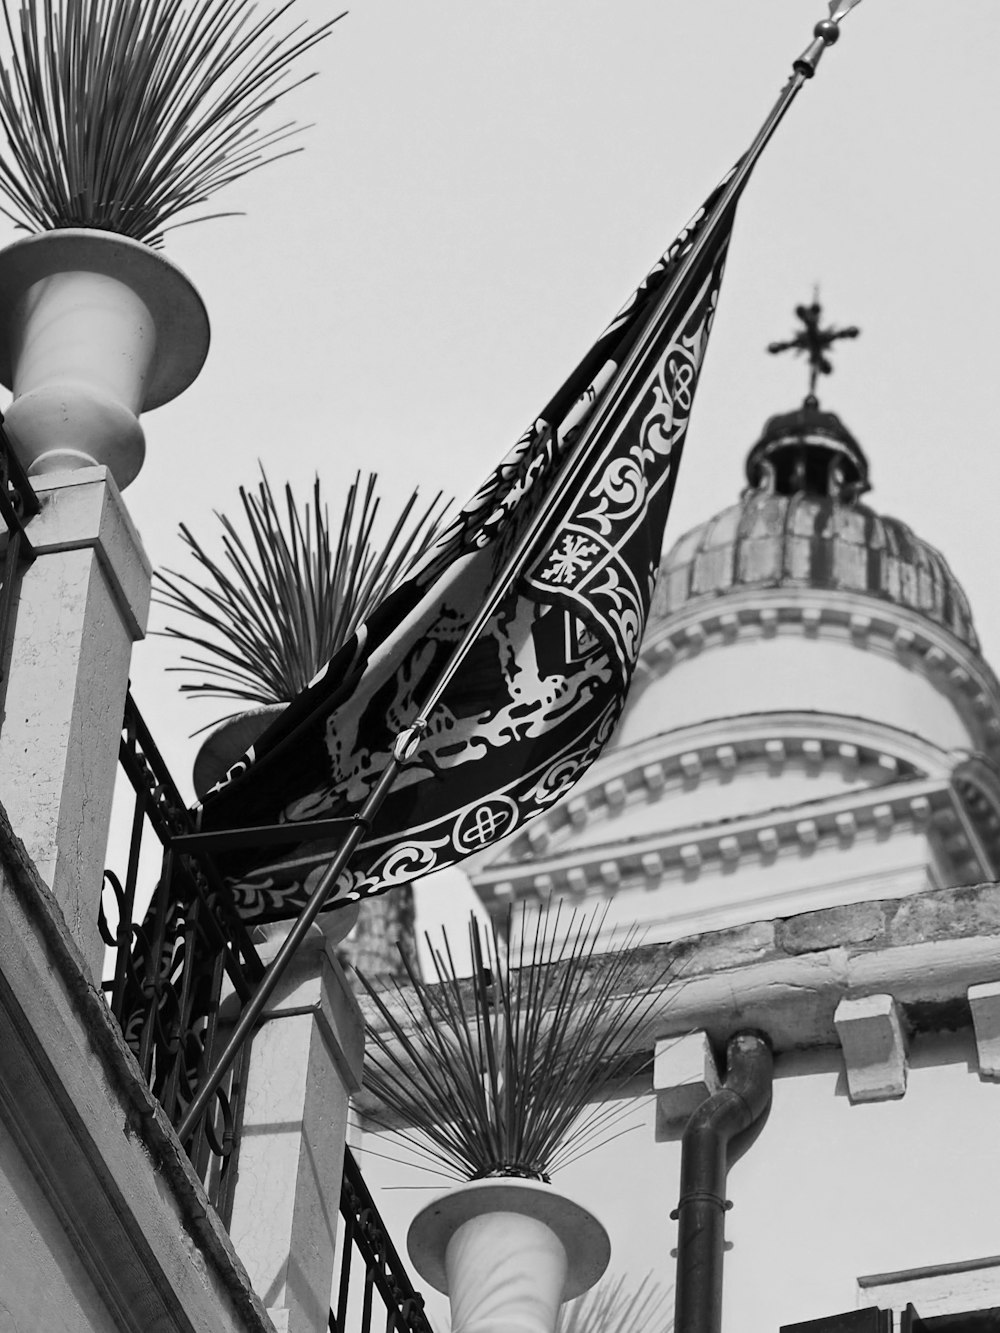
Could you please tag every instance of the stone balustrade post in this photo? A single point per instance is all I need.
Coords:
(82, 604)
(305, 1062)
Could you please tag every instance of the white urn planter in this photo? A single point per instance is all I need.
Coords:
(227, 743)
(223, 748)
(507, 1252)
(94, 329)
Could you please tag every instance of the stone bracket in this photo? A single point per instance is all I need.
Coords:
(684, 1075)
(874, 1047)
(984, 1001)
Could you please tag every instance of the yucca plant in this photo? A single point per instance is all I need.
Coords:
(619, 1306)
(509, 1073)
(615, 1305)
(271, 612)
(123, 114)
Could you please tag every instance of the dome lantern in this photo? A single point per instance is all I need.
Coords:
(809, 452)
(800, 523)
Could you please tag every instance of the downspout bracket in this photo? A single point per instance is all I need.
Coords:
(700, 1196)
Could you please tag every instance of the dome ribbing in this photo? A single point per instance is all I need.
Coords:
(800, 525)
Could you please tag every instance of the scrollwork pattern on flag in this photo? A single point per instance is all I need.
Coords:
(644, 433)
(545, 682)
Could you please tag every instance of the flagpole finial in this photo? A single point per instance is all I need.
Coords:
(841, 8)
(825, 33)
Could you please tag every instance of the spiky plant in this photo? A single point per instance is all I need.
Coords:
(122, 114)
(616, 1306)
(509, 1073)
(272, 611)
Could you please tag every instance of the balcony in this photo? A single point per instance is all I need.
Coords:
(115, 1218)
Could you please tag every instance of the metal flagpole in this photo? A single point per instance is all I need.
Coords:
(579, 419)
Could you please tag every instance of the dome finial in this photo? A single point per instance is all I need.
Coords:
(815, 342)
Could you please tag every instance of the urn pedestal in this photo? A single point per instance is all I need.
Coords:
(227, 743)
(507, 1252)
(220, 753)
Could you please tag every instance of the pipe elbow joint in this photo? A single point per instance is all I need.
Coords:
(750, 1065)
(744, 1096)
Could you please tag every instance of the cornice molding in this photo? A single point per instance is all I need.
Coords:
(832, 824)
(786, 976)
(651, 769)
(866, 622)
(977, 788)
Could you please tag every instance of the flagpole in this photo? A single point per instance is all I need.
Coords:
(825, 34)
(407, 741)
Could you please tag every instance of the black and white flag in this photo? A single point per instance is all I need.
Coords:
(539, 694)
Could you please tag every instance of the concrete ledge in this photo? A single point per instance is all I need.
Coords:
(786, 977)
(98, 1143)
(939, 1289)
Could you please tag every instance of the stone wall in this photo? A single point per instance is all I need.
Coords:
(786, 977)
(119, 1231)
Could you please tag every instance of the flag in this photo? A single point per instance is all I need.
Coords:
(544, 684)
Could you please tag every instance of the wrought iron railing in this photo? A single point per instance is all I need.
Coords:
(175, 962)
(176, 959)
(18, 504)
(369, 1268)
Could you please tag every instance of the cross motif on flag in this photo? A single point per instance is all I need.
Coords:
(575, 557)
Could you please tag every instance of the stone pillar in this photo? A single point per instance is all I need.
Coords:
(305, 1062)
(83, 603)
(383, 923)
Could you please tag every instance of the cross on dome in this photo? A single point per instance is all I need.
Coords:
(814, 341)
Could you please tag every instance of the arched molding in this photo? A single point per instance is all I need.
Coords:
(651, 770)
(795, 727)
(977, 786)
(868, 623)
(678, 855)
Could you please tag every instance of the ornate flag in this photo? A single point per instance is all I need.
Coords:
(540, 692)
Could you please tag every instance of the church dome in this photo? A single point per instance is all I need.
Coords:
(800, 524)
(811, 723)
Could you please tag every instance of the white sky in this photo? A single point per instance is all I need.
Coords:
(484, 184)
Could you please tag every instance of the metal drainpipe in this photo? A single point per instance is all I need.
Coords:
(739, 1103)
